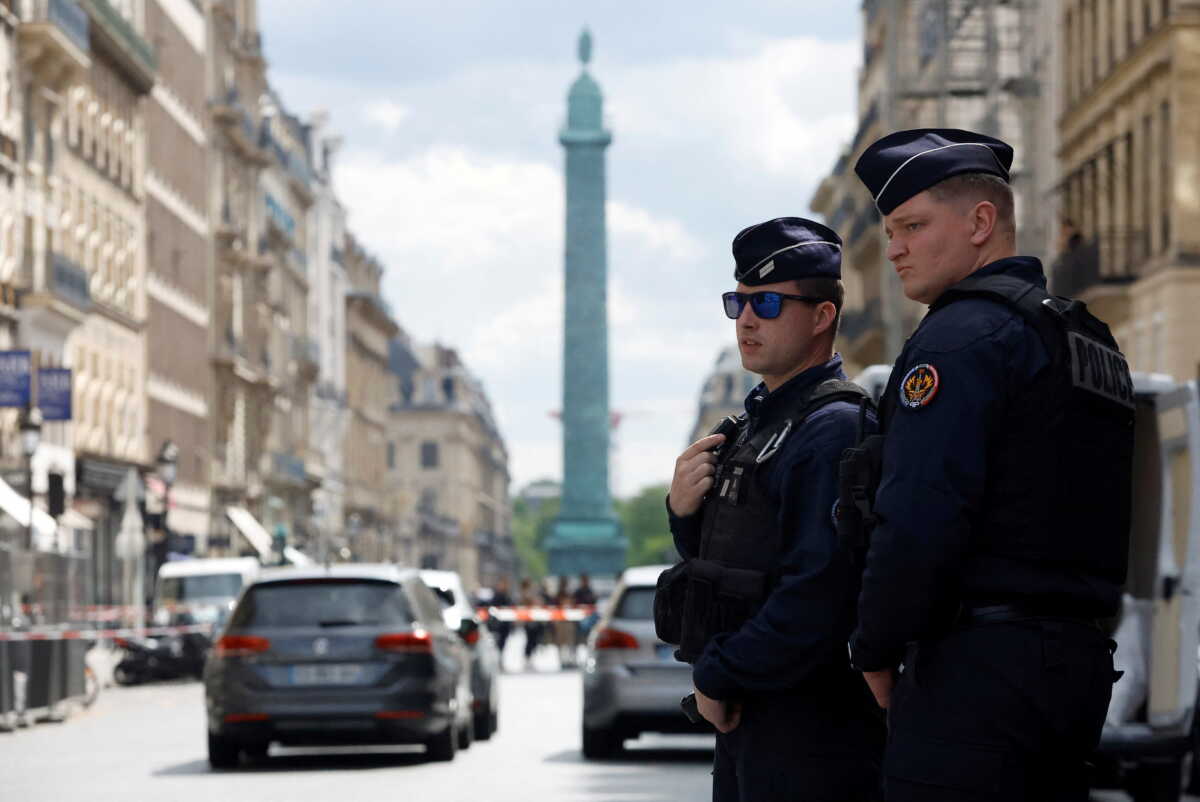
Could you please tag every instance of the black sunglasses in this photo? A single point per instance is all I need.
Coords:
(766, 305)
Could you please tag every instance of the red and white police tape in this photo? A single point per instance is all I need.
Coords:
(536, 613)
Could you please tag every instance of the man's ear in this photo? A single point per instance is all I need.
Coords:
(826, 312)
(983, 222)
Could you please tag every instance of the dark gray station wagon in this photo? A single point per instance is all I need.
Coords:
(345, 654)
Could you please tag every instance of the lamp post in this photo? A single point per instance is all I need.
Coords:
(167, 467)
(31, 436)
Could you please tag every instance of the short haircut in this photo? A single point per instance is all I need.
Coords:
(977, 187)
(830, 289)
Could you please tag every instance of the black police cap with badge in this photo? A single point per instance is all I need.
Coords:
(907, 163)
(786, 248)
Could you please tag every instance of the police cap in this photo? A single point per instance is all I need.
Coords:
(906, 163)
(786, 248)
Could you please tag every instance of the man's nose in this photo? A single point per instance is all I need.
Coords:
(895, 249)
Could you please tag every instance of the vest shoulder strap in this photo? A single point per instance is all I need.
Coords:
(768, 440)
(1027, 298)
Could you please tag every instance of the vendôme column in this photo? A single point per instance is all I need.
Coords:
(586, 537)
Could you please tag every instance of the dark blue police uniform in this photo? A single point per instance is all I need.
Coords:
(1006, 678)
(810, 729)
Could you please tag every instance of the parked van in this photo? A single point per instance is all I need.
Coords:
(200, 591)
(1148, 733)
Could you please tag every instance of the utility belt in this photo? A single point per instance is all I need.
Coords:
(970, 616)
(699, 599)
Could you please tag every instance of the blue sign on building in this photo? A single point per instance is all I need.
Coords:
(54, 393)
(15, 370)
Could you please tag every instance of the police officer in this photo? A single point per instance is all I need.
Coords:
(770, 595)
(1002, 513)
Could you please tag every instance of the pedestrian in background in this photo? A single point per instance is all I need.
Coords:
(564, 630)
(584, 596)
(531, 597)
(501, 597)
(1003, 511)
(770, 593)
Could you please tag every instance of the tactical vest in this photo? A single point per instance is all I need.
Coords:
(741, 543)
(1059, 469)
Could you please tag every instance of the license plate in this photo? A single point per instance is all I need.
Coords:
(665, 652)
(327, 674)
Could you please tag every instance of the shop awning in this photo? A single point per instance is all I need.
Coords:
(261, 539)
(16, 506)
(252, 530)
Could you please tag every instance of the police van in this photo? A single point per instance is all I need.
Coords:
(1151, 740)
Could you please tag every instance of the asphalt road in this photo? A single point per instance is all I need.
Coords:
(148, 743)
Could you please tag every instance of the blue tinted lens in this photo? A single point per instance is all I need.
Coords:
(733, 305)
(766, 304)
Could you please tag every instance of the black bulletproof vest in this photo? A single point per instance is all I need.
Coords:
(740, 539)
(1059, 470)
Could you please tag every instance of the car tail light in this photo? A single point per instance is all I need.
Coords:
(245, 718)
(400, 714)
(472, 637)
(615, 639)
(415, 642)
(240, 646)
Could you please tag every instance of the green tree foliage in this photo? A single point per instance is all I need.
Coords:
(644, 519)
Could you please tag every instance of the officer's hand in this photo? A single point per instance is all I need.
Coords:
(881, 684)
(693, 475)
(725, 716)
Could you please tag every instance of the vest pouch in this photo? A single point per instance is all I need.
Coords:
(719, 599)
(669, 594)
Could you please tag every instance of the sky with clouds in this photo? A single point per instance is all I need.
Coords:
(722, 116)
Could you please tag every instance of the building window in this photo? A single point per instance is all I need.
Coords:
(1167, 196)
(391, 457)
(429, 454)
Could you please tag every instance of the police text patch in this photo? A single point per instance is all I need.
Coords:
(1100, 370)
(919, 387)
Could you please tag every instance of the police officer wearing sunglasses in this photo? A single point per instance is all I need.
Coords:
(1001, 518)
(766, 595)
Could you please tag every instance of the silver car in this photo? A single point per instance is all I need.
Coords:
(485, 657)
(631, 680)
(347, 654)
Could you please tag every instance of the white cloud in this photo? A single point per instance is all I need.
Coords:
(387, 114)
(458, 188)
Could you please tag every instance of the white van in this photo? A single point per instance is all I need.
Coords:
(200, 591)
(1148, 733)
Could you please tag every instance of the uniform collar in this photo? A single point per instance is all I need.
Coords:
(760, 402)
(1025, 268)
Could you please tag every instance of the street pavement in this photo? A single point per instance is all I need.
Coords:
(148, 743)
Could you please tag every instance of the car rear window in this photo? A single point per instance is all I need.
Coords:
(323, 603)
(636, 603)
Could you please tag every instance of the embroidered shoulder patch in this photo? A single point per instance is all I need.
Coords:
(919, 387)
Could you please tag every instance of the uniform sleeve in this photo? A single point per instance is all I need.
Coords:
(933, 478)
(685, 531)
(805, 621)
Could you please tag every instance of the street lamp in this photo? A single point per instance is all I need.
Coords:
(167, 467)
(31, 435)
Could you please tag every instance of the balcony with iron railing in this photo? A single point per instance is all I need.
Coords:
(58, 32)
(132, 54)
(1105, 262)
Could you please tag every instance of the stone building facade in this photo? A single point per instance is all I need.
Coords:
(241, 316)
(449, 463)
(1130, 150)
(724, 392)
(179, 262)
(369, 529)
